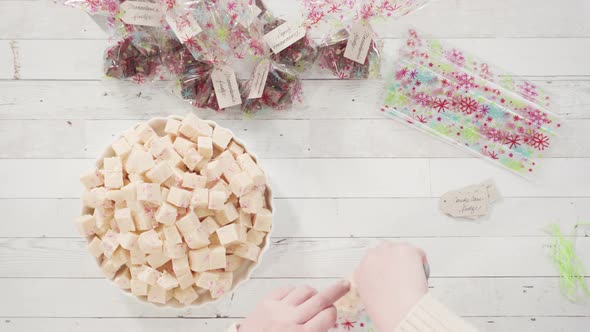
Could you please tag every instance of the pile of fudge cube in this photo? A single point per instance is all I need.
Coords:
(176, 217)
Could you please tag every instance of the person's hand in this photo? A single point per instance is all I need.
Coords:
(391, 280)
(296, 309)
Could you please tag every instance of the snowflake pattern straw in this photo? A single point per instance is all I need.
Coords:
(465, 101)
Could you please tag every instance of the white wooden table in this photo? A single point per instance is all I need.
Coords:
(344, 177)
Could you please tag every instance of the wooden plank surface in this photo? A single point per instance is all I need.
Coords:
(311, 258)
(529, 297)
(269, 138)
(344, 178)
(491, 324)
(338, 217)
(109, 100)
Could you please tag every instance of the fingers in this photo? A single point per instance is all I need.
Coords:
(323, 300)
(281, 293)
(300, 295)
(323, 321)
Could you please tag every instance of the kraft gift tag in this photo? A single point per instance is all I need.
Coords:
(470, 202)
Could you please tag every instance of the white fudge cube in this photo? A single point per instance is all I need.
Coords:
(245, 219)
(241, 184)
(92, 179)
(182, 145)
(221, 137)
(172, 127)
(255, 237)
(197, 239)
(226, 215)
(131, 136)
(185, 296)
(159, 148)
(199, 259)
(157, 259)
(171, 234)
(249, 165)
(121, 147)
(136, 256)
(145, 132)
(165, 192)
(144, 216)
(222, 285)
(222, 186)
(113, 164)
(95, 197)
(194, 127)
(150, 242)
(252, 202)
(167, 281)
(247, 250)
(231, 234)
(123, 279)
(263, 220)
(149, 192)
(200, 198)
(192, 159)
(109, 268)
(214, 239)
(120, 257)
(176, 179)
(189, 126)
(95, 247)
(212, 171)
(205, 146)
(139, 288)
(217, 257)
(209, 225)
(159, 295)
(139, 161)
(113, 180)
(193, 181)
(188, 223)
(128, 240)
(86, 225)
(136, 177)
(186, 280)
(109, 243)
(179, 197)
(231, 169)
(124, 220)
(217, 200)
(206, 280)
(181, 266)
(235, 149)
(203, 213)
(175, 250)
(233, 263)
(116, 196)
(160, 173)
(129, 192)
(148, 275)
(166, 214)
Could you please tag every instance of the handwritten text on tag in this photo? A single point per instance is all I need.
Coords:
(359, 42)
(284, 36)
(259, 79)
(141, 13)
(226, 87)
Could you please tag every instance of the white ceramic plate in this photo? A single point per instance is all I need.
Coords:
(240, 276)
